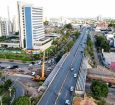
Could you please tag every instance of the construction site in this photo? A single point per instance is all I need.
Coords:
(30, 76)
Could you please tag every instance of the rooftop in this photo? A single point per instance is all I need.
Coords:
(43, 39)
(110, 57)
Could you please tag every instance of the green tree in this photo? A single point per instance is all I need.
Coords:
(7, 84)
(23, 100)
(111, 25)
(6, 100)
(70, 44)
(1, 89)
(68, 26)
(77, 34)
(99, 89)
(59, 56)
(0, 74)
(16, 33)
(101, 42)
(46, 23)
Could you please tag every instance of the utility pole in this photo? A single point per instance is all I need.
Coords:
(43, 65)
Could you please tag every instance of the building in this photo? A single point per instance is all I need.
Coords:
(108, 59)
(31, 28)
(4, 27)
(15, 24)
(9, 45)
(102, 25)
(59, 22)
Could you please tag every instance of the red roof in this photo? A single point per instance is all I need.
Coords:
(113, 65)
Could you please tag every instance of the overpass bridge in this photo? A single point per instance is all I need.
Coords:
(63, 77)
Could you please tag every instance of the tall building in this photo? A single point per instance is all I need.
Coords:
(31, 28)
(15, 24)
(4, 27)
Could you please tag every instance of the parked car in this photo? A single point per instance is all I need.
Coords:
(14, 67)
(2, 67)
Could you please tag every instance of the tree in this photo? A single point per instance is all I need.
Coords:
(99, 89)
(111, 25)
(46, 23)
(23, 100)
(7, 84)
(16, 33)
(68, 26)
(1, 89)
(102, 43)
(0, 74)
(6, 100)
(77, 34)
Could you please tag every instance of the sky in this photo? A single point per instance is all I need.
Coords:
(65, 8)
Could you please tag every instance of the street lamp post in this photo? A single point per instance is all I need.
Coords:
(10, 89)
(30, 100)
(0, 100)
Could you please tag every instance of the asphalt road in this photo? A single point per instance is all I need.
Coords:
(59, 89)
(21, 65)
(20, 89)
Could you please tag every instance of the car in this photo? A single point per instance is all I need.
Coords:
(75, 75)
(67, 102)
(2, 67)
(80, 43)
(72, 69)
(8, 67)
(13, 67)
(18, 68)
(33, 73)
(39, 62)
(81, 51)
(30, 65)
(49, 68)
(71, 88)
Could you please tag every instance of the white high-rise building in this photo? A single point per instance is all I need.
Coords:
(4, 27)
(31, 28)
(15, 24)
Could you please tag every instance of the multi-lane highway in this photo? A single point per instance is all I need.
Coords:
(58, 90)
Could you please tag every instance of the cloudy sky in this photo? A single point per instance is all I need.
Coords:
(66, 8)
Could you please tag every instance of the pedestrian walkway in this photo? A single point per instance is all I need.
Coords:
(81, 80)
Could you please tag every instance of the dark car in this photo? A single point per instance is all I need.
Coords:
(32, 63)
(14, 67)
(2, 67)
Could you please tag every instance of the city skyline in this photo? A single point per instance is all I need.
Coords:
(65, 8)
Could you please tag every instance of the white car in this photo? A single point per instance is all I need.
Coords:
(72, 69)
(33, 73)
(39, 62)
(30, 65)
(67, 102)
(8, 67)
(71, 88)
(75, 75)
